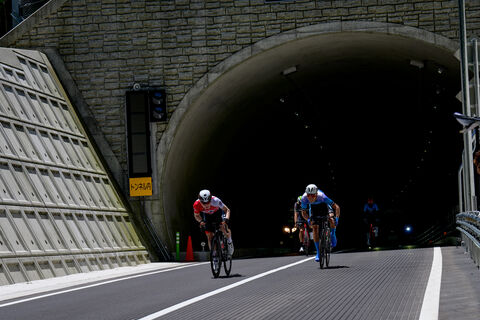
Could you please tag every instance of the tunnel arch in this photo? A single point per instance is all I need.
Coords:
(223, 102)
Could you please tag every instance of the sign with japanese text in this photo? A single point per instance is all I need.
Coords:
(140, 186)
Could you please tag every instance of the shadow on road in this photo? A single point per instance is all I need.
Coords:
(336, 267)
(231, 276)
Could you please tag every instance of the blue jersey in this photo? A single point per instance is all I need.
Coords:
(370, 208)
(321, 198)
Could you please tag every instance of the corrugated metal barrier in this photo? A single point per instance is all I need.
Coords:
(468, 223)
(59, 212)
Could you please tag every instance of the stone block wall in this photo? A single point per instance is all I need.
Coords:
(109, 45)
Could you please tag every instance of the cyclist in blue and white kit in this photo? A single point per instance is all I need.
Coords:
(318, 203)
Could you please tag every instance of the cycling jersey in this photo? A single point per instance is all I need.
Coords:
(297, 209)
(321, 198)
(370, 208)
(213, 215)
(215, 205)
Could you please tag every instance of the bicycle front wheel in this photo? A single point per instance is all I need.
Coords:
(227, 259)
(322, 249)
(216, 257)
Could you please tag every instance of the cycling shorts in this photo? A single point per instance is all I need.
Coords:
(212, 220)
(370, 219)
(300, 220)
(317, 212)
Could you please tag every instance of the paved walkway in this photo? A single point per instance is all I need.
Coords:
(460, 290)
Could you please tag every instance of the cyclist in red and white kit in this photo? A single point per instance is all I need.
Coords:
(209, 211)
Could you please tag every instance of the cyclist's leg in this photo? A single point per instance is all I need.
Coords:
(209, 229)
(228, 235)
(209, 239)
(317, 211)
(306, 238)
(301, 234)
(301, 229)
(316, 238)
(333, 227)
(227, 232)
(333, 237)
(366, 231)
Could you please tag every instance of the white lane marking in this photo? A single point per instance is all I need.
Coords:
(97, 284)
(431, 300)
(212, 293)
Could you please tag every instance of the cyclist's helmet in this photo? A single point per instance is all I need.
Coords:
(205, 196)
(311, 189)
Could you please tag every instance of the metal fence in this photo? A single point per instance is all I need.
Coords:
(468, 223)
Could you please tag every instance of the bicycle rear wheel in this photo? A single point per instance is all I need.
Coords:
(215, 257)
(227, 259)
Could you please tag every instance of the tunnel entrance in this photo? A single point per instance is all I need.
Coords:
(360, 115)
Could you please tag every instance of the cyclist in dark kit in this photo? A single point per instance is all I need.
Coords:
(299, 221)
(370, 216)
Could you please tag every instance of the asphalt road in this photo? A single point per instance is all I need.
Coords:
(361, 285)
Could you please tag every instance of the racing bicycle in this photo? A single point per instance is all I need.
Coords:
(219, 253)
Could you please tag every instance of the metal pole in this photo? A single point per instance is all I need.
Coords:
(467, 136)
(460, 189)
(476, 87)
(476, 81)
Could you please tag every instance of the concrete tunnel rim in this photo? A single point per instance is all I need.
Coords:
(166, 141)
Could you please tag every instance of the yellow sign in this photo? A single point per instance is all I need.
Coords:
(140, 187)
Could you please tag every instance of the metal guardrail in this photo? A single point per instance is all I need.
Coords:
(431, 235)
(160, 247)
(468, 223)
(437, 232)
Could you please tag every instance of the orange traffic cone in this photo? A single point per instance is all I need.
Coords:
(189, 255)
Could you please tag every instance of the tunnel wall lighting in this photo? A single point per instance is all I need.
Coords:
(289, 70)
(417, 63)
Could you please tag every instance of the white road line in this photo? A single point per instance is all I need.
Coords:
(212, 293)
(96, 285)
(431, 300)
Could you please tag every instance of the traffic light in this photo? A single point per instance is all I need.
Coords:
(158, 105)
(138, 134)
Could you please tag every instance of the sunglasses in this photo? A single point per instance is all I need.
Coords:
(311, 195)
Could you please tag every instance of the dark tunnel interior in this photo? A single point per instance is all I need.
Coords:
(358, 128)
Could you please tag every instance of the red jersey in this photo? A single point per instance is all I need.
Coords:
(215, 204)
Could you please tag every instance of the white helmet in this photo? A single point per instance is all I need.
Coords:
(311, 189)
(205, 196)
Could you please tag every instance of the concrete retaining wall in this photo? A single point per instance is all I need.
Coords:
(59, 212)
